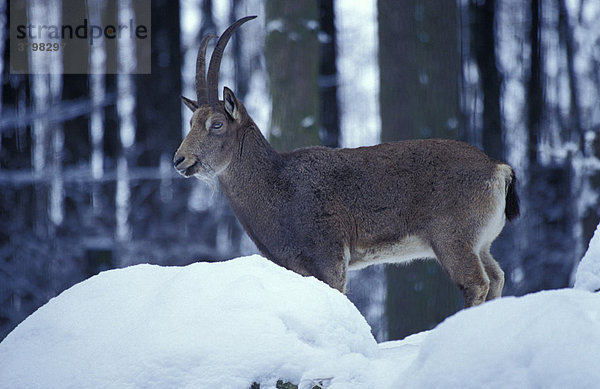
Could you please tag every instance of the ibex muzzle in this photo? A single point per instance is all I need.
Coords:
(321, 211)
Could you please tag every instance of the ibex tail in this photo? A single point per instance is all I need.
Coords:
(512, 199)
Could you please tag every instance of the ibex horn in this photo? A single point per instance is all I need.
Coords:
(212, 78)
(201, 90)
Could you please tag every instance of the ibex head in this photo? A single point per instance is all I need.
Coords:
(208, 148)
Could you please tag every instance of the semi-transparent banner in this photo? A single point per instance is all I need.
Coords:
(80, 37)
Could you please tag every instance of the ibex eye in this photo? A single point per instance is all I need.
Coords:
(216, 125)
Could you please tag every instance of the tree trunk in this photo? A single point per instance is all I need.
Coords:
(419, 69)
(534, 88)
(419, 72)
(328, 82)
(548, 258)
(159, 107)
(292, 55)
(483, 45)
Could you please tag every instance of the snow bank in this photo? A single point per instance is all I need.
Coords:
(217, 325)
(587, 276)
(549, 339)
(229, 324)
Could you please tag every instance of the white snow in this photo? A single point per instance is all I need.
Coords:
(230, 324)
(549, 339)
(206, 325)
(587, 276)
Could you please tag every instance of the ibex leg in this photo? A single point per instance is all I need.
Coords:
(325, 263)
(465, 269)
(494, 272)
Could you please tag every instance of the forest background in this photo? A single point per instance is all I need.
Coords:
(86, 179)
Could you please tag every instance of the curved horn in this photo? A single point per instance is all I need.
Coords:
(215, 61)
(201, 90)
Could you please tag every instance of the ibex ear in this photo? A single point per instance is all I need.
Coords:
(231, 104)
(191, 104)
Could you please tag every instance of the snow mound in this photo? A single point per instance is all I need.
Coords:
(206, 325)
(549, 339)
(229, 324)
(588, 271)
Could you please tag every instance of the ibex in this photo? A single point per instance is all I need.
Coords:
(321, 211)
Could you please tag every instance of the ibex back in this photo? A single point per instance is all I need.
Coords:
(321, 211)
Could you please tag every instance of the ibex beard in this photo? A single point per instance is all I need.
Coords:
(320, 211)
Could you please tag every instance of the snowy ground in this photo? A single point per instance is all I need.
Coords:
(229, 324)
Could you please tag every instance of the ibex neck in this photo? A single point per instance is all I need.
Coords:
(252, 184)
(254, 164)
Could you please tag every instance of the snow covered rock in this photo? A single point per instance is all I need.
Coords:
(206, 325)
(587, 276)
